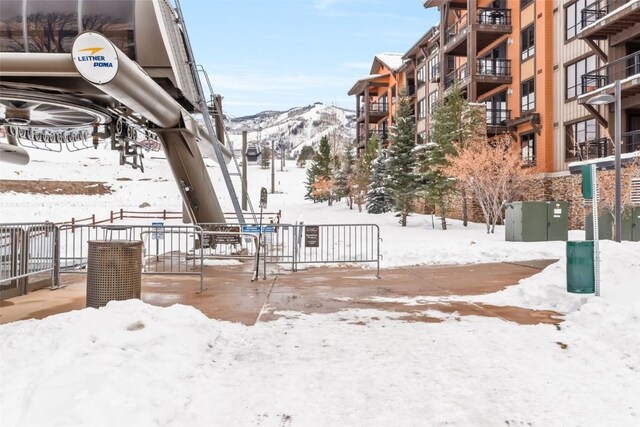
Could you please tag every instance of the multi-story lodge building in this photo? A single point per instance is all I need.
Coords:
(534, 64)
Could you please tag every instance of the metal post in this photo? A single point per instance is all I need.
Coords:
(244, 170)
(273, 166)
(618, 167)
(202, 104)
(596, 231)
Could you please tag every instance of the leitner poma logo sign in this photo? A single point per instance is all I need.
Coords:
(98, 60)
(95, 57)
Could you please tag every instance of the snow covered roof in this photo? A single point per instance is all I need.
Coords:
(393, 61)
(360, 84)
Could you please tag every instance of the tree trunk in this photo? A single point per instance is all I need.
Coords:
(464, 207)
(443, 217)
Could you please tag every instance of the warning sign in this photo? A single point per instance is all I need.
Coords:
(312, 236)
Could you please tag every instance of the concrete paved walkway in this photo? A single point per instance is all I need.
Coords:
(231, 295)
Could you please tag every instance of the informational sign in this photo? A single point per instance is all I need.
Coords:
(255, 228)
(263, 198)
(226, 239)
(95, 57)
(312, 236)
(158, 230)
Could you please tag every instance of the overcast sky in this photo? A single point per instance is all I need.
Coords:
(277, 54)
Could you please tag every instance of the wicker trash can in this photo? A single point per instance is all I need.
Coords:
(114, 271)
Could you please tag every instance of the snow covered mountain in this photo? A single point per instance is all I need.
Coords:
(296, 127)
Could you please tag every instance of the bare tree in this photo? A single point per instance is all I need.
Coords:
(492, 171)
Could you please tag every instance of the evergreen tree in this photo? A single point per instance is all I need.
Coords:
(453, 124)
(378, 198)
(265, 158)
(320, 168)
(344, 176)
(402, 180)
(362, 172)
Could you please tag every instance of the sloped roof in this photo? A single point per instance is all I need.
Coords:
(393, 61)
(359, 85)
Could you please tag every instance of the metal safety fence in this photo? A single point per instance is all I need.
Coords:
(26, 250)
(300, 244)
(167, 249)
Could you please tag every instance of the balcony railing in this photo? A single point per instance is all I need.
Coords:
(497, 117)
(455, 29)
(376, 107)
(616, 70)
(494, 67)
(493, 16)
(457, 75)
(381, 135)
(594, 11)
(631, 141)
(594, 148)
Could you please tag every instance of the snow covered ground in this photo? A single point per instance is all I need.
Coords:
(135, 364)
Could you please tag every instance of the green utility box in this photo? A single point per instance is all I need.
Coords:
(630, 225)
(536, 221)
(580, 267)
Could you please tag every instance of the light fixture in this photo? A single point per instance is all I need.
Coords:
(602, 99)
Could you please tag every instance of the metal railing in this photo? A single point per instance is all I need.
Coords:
(167, 249)
(457, 75)
(622, 68)
(381, 135)
(376, 107)
(300, 244)
(631, 141)
(594, 148)
(497, 117)
(594, 11)
(26, 250)
(493, 16)
(455, 29)
(494, 67)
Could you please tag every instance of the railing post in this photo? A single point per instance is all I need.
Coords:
(55, 280)
(121, 213)
(93, 219)
(73, 222)
(111, 217)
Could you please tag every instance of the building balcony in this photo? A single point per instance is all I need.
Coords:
(376, 111)
(491, 73)
(491, 24)
(497, 121)
(594, 149)
(631, 141)
(613, 19)
(600, 80)
(381, 135)
(459, 76)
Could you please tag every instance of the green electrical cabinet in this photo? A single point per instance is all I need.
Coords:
(536, 221)
(630, 225)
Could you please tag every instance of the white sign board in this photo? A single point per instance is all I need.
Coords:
(95, 57)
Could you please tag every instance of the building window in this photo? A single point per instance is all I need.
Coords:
(574, 73)
(421, 138)
(433, 97)
(420, 76)
(573, 18)
(578, 135)
(421, 109)
(528, 148)
(528, 96)
(527, 37)
(523, 3)
(433, 68)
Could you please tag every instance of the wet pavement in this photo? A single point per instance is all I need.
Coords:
(231, 296)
